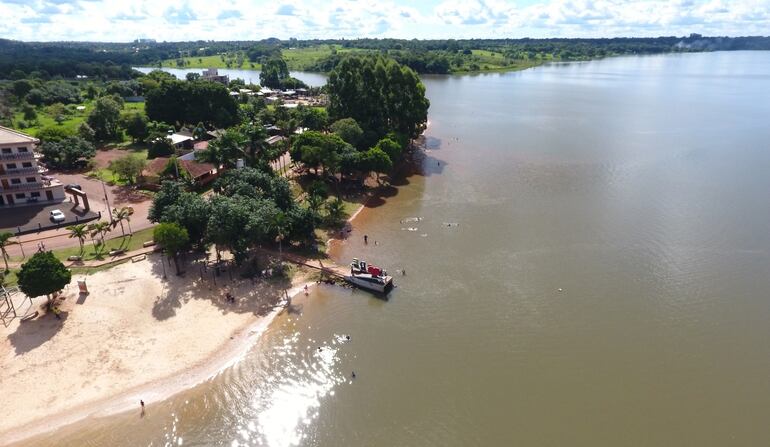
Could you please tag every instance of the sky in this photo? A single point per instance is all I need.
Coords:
(177, 20)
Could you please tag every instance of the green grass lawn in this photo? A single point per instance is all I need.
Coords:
(9, 279)
(296, 58)
(299, 59)
(486, 61)
(128, 243)
(72, 121)
(211, 62)
(46, 120)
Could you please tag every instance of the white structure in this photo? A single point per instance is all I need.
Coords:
(22, 178)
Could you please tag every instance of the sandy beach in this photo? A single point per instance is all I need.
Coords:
(135, 336)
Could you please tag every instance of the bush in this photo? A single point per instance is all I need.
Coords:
(54, 134)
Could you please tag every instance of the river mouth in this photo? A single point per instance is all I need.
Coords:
(588, 266)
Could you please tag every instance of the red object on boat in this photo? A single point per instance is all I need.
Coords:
(374, 271)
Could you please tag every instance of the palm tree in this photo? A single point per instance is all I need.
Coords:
(335, 210)
(99, 229)
(79, 231)
(225, 150)
(119, 215)
(278, 223)
(314, 202)
(5, 241)
(255, 135)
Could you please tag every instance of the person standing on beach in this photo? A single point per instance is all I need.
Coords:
(141, 402)
(366, 239)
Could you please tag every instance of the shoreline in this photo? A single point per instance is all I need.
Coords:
(227, 354)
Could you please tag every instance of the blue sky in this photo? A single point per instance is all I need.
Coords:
(126, 20)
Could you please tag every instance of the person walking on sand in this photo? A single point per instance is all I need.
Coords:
(141, 403)
(366, 239)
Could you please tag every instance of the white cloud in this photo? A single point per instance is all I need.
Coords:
(120, 20)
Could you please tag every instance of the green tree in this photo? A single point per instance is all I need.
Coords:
(191, 212)
(312, 118)
(274, 71)
(80, 232)
(53, 134)
(85, 132)
(21, 87)
(225, 150)
(390, 147)
(104, 119)
(335, 211)
(315, 202)
(97, 232)
(279, 224)
(348, 129)
(318, 150)
(135, 124)
(43, 274)
(5, 241)
(256, 147)
(174, 101)
(66, 153)
(128, 168)
(160, 146)
(168, 195)
(172, 238)
(380, 94)
(377, 161)
(29, 112)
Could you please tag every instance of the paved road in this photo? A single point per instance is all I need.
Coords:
(116, 195)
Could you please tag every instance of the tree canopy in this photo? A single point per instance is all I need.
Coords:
(43, 274)
(66, 153)
(348, 129)
(320, 150)
(128, 167)
(380, 94)
(174, 101)
(173, 238)
(104, 119)
(274, 70)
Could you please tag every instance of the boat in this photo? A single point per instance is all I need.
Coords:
(370, 277)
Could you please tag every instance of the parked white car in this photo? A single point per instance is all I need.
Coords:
(58, 216)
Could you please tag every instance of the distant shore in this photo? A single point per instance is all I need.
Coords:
(135, 336)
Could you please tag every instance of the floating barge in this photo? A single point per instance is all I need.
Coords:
(369, 277)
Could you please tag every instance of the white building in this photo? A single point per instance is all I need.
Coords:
(22, 179)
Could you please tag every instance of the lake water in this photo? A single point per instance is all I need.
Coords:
(605, 279)
(250, 76)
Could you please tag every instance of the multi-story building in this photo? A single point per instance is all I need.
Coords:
(212, 74)
(22, 179)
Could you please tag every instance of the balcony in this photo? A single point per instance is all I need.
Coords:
(35, 186)
(18, 156)
(22, 171)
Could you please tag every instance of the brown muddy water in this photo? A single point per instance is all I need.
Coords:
(591, 267)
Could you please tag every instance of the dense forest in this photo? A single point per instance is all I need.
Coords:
(114, 60)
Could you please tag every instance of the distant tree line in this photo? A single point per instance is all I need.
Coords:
(114, 60)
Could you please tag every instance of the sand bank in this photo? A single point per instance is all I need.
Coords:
(135, 336)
